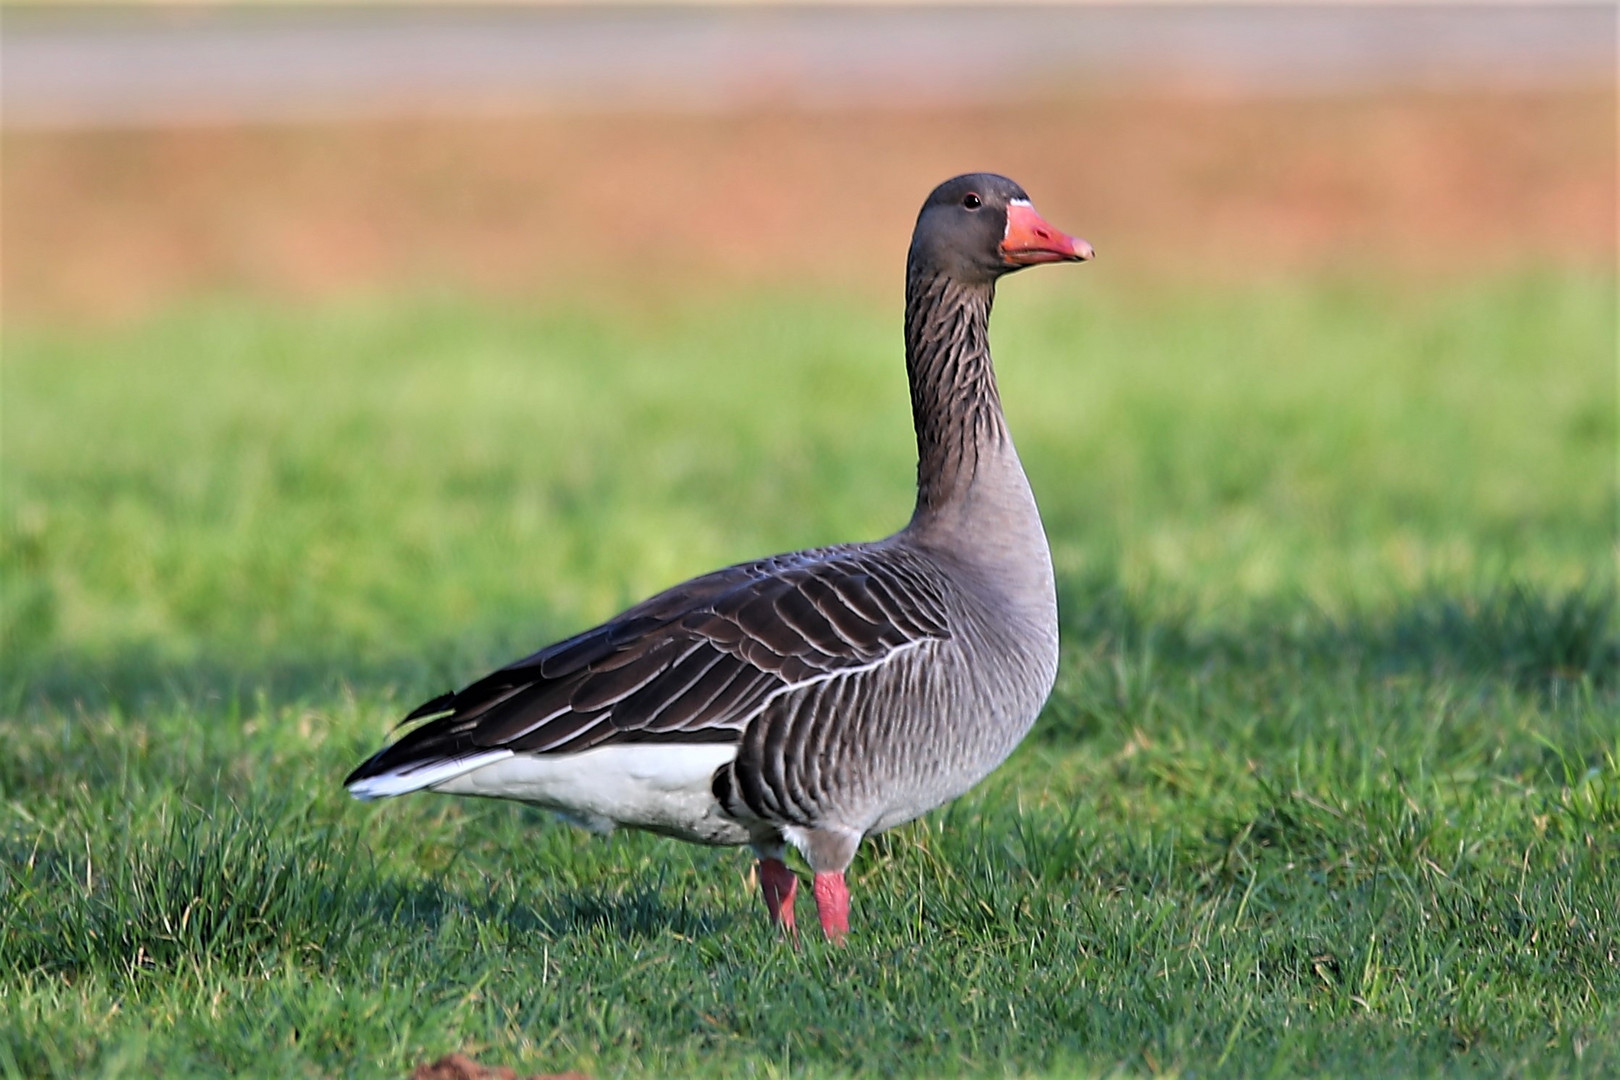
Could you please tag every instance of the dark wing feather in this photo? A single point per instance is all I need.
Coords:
(694, 663)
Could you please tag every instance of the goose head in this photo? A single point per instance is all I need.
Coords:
(979, 226)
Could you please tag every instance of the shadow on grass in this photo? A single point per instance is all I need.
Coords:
(425, 906)
(642, 913)
(1523, 635)
(144, 677)
(1533, 638)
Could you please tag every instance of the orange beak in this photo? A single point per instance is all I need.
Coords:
(1030, 240)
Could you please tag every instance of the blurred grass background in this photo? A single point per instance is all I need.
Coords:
(246, 488)
(302, 421)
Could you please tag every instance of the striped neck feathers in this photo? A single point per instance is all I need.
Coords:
(954, 402)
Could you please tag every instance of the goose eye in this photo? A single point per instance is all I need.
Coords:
(971, 201)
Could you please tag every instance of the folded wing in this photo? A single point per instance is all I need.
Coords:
(692, 664)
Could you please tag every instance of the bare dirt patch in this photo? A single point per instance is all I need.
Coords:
(113, 223)
(462, 1067)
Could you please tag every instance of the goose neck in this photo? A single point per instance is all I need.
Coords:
(955, 406)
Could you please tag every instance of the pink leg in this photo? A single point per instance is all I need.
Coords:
(832, 904)
(778, 885)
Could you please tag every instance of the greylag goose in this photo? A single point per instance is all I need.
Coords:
(815, 698)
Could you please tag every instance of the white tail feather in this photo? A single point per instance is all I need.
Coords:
(415, 778)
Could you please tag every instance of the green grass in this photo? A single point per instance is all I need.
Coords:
(1330, 784)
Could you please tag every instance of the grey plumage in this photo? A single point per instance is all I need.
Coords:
(853, 687)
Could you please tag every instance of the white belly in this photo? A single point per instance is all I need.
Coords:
(667, 789)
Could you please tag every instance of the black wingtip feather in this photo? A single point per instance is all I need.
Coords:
(362, 770)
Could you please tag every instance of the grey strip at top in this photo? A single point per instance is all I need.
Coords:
(88, 67)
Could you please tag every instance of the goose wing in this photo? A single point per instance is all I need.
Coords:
(692, 664)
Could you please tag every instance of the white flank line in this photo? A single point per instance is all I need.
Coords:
(839, 674)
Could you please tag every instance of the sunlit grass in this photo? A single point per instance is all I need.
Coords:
(1330, 783)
